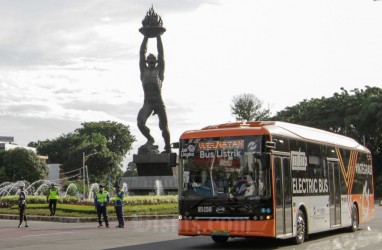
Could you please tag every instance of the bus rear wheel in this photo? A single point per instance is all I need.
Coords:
(300, 228)
(354, 219)
(219, 239)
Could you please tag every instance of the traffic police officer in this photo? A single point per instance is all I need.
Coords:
(52, 197)
(118, 204)
(101, 199)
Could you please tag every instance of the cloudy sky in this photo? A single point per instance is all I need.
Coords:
(66, 62)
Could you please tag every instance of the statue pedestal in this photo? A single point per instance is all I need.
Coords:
(155, 164)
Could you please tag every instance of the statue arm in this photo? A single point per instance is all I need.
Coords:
(160, 57)
(142, 54)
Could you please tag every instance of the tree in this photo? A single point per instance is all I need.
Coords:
(131, 170)
(104, 144)
(355, 113)
(247, 107)
(119, 139)
(3, 176)
(21, 164)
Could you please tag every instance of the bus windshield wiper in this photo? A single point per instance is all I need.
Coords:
(212, 180)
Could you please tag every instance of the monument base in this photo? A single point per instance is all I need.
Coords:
(155, 164)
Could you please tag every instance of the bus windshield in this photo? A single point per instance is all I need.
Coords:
(232, 167)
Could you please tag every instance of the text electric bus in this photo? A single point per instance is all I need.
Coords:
(271, 179)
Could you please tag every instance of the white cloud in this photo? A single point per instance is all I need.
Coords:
(66, 62)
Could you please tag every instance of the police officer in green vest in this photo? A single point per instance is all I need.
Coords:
(101, 199)
(52, 197)
(118, 204)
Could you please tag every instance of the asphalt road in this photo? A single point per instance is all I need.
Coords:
(162, 234)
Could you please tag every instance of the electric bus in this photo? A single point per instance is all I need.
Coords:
(271, 179)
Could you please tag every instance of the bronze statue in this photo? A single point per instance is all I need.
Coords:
(152, 76)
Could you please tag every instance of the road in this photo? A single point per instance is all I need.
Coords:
(162, 234)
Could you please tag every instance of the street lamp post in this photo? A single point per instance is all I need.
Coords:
(85, 173)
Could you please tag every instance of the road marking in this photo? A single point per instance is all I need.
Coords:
(36, 235)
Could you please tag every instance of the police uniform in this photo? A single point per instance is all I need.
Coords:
(101, 199)
(118, 204)
(53, 197)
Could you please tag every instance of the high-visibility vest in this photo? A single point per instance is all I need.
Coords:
(102, 197)
(53, 193)
(119, 201)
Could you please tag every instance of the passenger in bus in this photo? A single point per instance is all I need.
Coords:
(195, 183)
(244, 186)
(250, 190)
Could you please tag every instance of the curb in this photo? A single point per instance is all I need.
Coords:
(86, 219)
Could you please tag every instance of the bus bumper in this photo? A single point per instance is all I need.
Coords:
(232, 228)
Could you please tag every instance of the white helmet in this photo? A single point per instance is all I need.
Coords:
(22, 184)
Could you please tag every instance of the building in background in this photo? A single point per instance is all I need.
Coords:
(54, 173)
(9, 139)
(8, 142)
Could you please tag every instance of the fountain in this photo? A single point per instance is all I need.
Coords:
(125, 189)
(73, 187)
(92, 189)
(43, 188)
(11, 188)
(158, 187)
(36, 188)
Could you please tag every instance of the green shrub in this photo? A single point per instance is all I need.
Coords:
(151, 199)
(38, 199)
(73, 207)
(89, 211)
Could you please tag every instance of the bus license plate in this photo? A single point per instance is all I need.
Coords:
(220, 232)
(205, 209)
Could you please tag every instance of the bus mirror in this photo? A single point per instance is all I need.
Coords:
(173, 159)
(175, 145)
(270, 145)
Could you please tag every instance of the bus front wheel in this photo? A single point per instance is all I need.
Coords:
(300, 228)
(219, 239)
(354, 219)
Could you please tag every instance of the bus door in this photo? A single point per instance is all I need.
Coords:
(334, 194)
(283, 191)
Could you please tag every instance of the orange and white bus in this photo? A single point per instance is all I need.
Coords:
(271, 179)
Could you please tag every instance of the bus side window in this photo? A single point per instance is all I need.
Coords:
(314, 161)
(282, 144)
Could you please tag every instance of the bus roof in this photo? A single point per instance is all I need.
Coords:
(275, 128)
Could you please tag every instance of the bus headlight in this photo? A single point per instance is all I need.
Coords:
(265, 210)
(180, 217)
